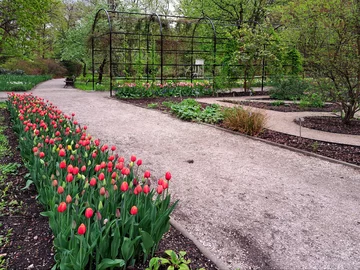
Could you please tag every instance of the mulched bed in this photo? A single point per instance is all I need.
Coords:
(30, 245)
(346, 153)
(331, 124)
(288, 107)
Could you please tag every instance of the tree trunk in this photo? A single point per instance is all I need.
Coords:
(84, 68)
(101, 70)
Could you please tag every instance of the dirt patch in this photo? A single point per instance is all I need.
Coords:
(331, 124)
(286, 107)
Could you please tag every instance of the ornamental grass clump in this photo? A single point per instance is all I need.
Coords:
(245, 121)
(103, 212)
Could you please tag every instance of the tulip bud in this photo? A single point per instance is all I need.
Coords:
(92, 182)
(60, 190)
(147, 174)
(101, 176)
(146, 189)
(62, 207)
(82, 229)
(117, 214)
(68, 199)
(133, 158)
(54, 183)
(159, 189)
(124, 186)
(133, 210)
(139, 162)
(102, 191)
(98, 215)
(89, 212)
(168, 176)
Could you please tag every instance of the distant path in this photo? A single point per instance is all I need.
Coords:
(284, 122)
(250, 203)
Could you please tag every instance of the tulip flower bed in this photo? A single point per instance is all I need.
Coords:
(178, 89)
(101, 212)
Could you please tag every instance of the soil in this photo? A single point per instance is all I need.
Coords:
(331, 124)
(286, 107)
(30, 238)
(346, 153)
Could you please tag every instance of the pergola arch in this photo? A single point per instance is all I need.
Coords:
(107, 42)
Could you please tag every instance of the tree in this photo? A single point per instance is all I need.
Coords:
(327, 33)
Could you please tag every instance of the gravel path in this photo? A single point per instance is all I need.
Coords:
(253, 205)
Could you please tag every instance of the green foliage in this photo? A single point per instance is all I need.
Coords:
(171, 262)
(211, 114)
(171, 89)
(153, 105)
(13, 83)
(188, 109)
(245, 121)
(313, 100)
(291, 88)
(293, 62)
(277, 103)
(37, 66)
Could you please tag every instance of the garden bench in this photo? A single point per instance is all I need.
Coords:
(69, 82)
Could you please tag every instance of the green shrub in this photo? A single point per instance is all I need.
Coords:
(278, 103)
(291, 88)
(311, 100)
(20, 82)
(245, 121)
(211, 114)
(188, 109)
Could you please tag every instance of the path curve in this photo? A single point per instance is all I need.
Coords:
(253, 205)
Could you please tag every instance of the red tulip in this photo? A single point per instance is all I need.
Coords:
(89, 212)
(69, 178)
(102, 191)
(42, 154)
(159, 189)
(147, 174)
(146, 189)
(133, 158)
(103, 165)
(62, 153)
(68, 199)
(62, 164)
(35, 149)
(92, 182)
(70, 168)
(54, 183)
(133, 210)
(97, 168)
(137, 190)
(124, 186)
(62, 207)
(168, 176)
(160, 181)
(165, 185)
(83, 168)
(75, 170)
(101, 176)
(114, 175)
(60, 190)
(113, 148)
(82, 229)
(139, 162)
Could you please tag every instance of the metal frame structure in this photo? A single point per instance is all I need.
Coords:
(160, 38)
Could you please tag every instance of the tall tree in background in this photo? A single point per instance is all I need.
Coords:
(20, 23)
(328, 35)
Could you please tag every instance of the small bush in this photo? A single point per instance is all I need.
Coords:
(244, 121)
(292, 88)
(188, 109)
(211, 114)
(278, 103)
(312, 100)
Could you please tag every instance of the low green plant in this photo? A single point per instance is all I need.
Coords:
(211, 114)
(152, 105)
(291, 88)
(245, 121)
(14, 83)
(172, 261)
(313, 100)
(168, 104)
(188, 109)
(278, 103)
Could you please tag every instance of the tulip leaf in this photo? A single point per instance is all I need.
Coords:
(147, 240)
(27, 185)
(107, 263)
(127, 249)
